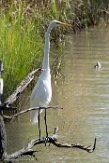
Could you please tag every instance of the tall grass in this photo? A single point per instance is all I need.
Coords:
(20, 45)
(90, 12)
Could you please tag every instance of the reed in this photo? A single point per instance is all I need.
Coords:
(20, 45)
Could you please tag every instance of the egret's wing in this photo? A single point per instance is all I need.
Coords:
(38, 98)
(37, 95)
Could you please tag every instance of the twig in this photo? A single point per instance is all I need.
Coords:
(5, 106)
(86, 148)
(30, 109)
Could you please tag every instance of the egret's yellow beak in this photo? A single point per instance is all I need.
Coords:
(65, 24)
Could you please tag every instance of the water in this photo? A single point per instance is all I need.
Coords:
(84, 96)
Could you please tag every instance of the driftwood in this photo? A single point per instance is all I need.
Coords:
(28, 148)
(21, 87)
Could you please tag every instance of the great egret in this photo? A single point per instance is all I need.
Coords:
(42, 92)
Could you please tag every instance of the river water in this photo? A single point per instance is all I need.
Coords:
(83, 92)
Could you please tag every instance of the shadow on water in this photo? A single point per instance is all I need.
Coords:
(84, 95)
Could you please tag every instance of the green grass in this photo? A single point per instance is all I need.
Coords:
(20, 45)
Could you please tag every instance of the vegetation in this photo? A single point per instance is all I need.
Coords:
(23, 24)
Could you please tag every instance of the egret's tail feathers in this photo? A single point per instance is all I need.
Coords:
(34, 118)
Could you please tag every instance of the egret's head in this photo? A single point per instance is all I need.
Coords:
(55, 23)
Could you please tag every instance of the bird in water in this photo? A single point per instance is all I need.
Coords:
(42, 92)
(98, 66)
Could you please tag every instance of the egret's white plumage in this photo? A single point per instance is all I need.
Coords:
(42, 92)
(98, 66)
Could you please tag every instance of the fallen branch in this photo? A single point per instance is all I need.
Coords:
(79, 146)
(28, 110)
(27, 150)
(21, 87)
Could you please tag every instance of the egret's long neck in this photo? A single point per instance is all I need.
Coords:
(45, 64)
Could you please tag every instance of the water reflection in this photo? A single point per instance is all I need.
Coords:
(84, 95)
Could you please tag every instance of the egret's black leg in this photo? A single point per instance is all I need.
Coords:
(45, 118)
(39, 123)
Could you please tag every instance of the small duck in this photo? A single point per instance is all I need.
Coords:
(98, 66)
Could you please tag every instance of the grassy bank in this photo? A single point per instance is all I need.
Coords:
(21, 43)
(22, 28)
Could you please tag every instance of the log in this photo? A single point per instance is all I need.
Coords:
(21, 87)
(28, 148)
(3, 140)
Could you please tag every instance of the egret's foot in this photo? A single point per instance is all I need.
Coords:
(39, 138)
(46, 140)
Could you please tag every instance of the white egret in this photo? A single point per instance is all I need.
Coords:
(42, 92)
(98, 66)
